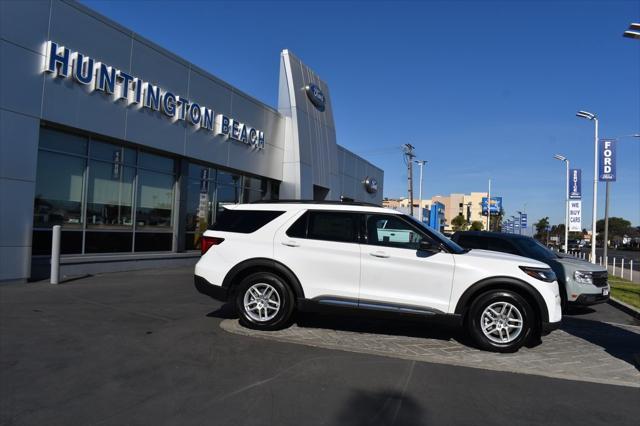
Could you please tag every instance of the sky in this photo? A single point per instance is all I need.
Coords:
(483, 89)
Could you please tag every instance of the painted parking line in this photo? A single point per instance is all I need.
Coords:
(582, 350)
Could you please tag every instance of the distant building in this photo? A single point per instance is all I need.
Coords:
(469, 205)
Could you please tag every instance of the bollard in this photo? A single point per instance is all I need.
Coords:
(631, 270)
(622, 268)
(55, 255)
(600, 261)
(614, 267)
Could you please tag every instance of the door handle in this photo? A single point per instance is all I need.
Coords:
(290, 244)
(379, 254)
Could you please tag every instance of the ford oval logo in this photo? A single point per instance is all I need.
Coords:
(315, 96)
(371, 185)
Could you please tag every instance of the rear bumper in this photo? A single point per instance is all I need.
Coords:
(214, 291)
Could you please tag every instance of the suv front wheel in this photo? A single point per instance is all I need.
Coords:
(264, 302)
(500, 321)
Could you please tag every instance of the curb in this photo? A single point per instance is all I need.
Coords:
(628, 309)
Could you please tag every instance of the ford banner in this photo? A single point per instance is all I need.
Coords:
(607, 160)
(575, 184)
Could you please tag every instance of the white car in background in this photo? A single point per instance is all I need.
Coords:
(271, 259)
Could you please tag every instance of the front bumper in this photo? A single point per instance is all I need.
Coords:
(215, 291)
(590, 299)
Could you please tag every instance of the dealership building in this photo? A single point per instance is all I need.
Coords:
(133, 150)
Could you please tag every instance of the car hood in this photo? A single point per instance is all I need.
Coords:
(506, 257)
(577, 264)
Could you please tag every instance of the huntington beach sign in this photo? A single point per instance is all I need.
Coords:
(128, 89)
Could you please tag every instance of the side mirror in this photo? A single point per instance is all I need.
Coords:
(426, 245)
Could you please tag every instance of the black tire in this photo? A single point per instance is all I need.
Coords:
(284, 295)
(475, 318)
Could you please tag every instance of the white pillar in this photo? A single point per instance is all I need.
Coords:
(631, 270)
(622, 268)
(55, 255)
(614, 267)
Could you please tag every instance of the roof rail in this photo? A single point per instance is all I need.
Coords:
(338, 203)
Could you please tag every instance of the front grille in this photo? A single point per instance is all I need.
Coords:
(600, 278)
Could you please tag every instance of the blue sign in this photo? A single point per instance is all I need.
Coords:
(575, 184)
(607, 160)
(523, 220)
(496, 205)
(316, 96)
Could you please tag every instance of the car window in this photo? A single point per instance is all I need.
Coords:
(391, 231)
(534, 249)
(496, 244)
(243, 221)
(333, 226)
(299, 227)
(472, 242)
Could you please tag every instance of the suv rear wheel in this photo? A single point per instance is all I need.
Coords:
(500, 321)
(264, 302)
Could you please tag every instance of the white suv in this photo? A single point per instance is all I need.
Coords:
(271, 259)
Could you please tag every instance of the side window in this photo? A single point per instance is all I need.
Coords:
(503, 246)
(391, 231)
(243, 221)
(299, 227)
(333, 226)
(472, 242)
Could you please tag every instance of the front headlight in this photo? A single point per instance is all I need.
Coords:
(583, 277)
(542, 274)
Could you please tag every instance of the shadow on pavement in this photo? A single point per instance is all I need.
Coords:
(427, 328)
(364, 408)
(616, 341)
(579, 310)
(226, 311)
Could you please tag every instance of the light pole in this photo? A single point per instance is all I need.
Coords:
(633, 31)
(489, 208)
(420, 163)
(590, 116)
(566, 202)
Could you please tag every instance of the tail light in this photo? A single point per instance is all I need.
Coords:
(207, 242)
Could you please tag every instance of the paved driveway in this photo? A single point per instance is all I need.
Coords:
(145, 348)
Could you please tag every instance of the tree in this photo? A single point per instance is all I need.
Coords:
(476, 225)
(541, 228)
(459, 223)
(618, 226)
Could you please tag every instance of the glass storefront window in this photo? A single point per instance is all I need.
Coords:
(59, 181)
(110, 193)
(113, 153)
(156, 162)
(113, 199)
(61, 141)
(155, 199)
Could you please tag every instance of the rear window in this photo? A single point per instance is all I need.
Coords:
(243, 221)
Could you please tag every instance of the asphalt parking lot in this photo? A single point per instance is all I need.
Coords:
(145, 348)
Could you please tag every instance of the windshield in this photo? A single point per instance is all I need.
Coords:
(533, 248)
(451, 246)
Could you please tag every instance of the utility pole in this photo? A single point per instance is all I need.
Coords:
(421, 163)
(408, 152)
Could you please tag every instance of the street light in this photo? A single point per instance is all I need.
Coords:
(633, 31)
(590, 116)
(420, 163)
(566, 204)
